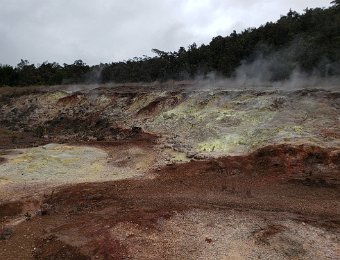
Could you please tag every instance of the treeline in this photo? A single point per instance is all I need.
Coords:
(309, 42)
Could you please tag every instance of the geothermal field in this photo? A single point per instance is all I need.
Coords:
(176, 170)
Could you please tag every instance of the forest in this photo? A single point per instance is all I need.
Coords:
(307, 42)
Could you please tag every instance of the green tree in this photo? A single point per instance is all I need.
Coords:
(336, 2)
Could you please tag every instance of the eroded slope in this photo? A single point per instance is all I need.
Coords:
(147, 173)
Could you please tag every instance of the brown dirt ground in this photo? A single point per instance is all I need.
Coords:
(74, 221)
(279, 202)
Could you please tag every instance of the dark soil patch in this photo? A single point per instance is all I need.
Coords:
(13, 139)
(314, 183)
(5, 233)
(53, 249)
(10, 209)
(2, 160)
(93, 127)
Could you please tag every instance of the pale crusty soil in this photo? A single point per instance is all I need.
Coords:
(208, 175)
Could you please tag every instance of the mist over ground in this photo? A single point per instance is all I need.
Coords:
(226, 150)
(298, 49)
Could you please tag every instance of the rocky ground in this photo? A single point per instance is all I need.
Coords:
(172, 171)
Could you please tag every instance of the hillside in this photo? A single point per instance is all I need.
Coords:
(173, 171)
(229, 150)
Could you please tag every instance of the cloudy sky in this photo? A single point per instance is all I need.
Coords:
(110, 30)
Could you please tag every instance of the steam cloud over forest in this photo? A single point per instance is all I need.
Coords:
(296, 47)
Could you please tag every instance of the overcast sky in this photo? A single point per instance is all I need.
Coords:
(110, 30)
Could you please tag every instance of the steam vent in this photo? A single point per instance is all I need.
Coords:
(222, 150)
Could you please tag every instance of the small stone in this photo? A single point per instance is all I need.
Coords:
(28, 216)
(5, 233)
(191, 155)
(45, 209)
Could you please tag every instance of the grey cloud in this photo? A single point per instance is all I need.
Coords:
(111, 30)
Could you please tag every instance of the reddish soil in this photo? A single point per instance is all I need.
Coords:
(157, 105)
(272, 179)
(10, 209)
(77, 221)
(70, 100)
(224, 180)
(263, 235)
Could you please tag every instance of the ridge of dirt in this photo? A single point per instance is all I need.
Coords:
(241, 183)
